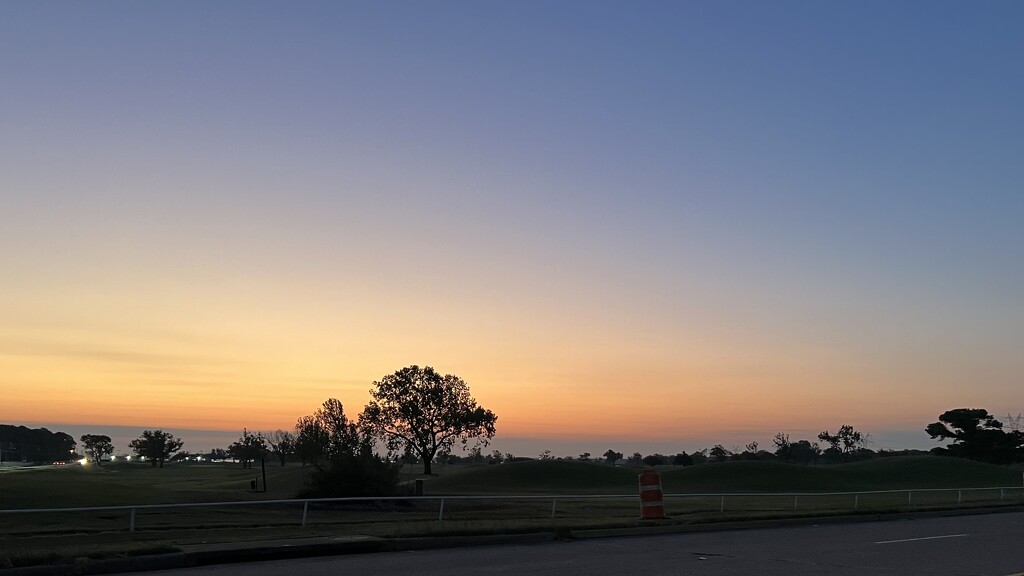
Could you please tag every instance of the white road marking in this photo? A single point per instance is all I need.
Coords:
(925, 538)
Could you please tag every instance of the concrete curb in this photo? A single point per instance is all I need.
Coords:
(264, 551)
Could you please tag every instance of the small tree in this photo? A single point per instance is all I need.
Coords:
(248, 448)
(719, 453)
(844, 443)
(156, 446)
(344, 463)
(655, 459)
(783, 447)
(96, 446)
(804, 452)
(282, 444)
(419, 408)
(682, 459)
(326, 432)
(611, 456)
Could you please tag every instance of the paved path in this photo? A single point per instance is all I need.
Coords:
(991, 544)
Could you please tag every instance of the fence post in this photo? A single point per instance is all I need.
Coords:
(722, 507)
(440, 512)
(909, 494)
(856, 501)
(131, 523)
(305, 511)
(959, 496)
(553, 500)
(795, 500)
(1000, 493)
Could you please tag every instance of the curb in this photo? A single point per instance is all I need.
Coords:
(264, 551)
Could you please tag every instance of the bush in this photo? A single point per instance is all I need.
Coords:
(361, 473)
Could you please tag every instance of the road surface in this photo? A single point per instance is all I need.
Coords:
(991, 544)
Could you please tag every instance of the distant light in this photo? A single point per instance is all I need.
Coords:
(83, 461)
(128, 458)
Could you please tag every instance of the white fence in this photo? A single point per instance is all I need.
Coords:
(571, 507)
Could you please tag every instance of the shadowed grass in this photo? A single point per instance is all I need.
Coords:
(131, 483)
(547, 476)
(42, 538)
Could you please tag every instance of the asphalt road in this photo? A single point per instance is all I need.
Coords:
(991, 544)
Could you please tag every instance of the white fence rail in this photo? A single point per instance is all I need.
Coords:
(674, 503)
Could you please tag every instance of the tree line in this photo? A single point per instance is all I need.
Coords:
(23, 444)
(414, 413)
(419, 415)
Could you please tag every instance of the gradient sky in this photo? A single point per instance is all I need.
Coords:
(659, 225)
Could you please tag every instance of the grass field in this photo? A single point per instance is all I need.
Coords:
(39, 537)
(557, 476)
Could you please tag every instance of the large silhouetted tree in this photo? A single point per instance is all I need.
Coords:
(977, 435)
(96, 446)
(156, 446)
(428, 412)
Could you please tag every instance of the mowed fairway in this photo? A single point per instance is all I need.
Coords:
(35, 537)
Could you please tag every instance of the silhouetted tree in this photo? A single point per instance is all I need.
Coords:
(282, 444)
(96, 446)
(719, 453)
(420, 408)
(843, 444)
(654, 460)
(344, 463)
(977, 435)
(156, 446)
(326, 432)
(34, 444)
(248, 448)
(682, 459)
(804, 452)
(783, 447)
(611, 456)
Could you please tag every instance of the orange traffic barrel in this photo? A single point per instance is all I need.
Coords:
(652, 504)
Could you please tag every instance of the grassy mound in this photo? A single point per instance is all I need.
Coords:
(931, 472)
(566, 477)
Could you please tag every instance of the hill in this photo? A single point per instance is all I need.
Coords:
(573, 477)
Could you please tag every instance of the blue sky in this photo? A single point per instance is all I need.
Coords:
(786, 213)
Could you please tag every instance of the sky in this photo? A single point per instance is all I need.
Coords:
(652, 226)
